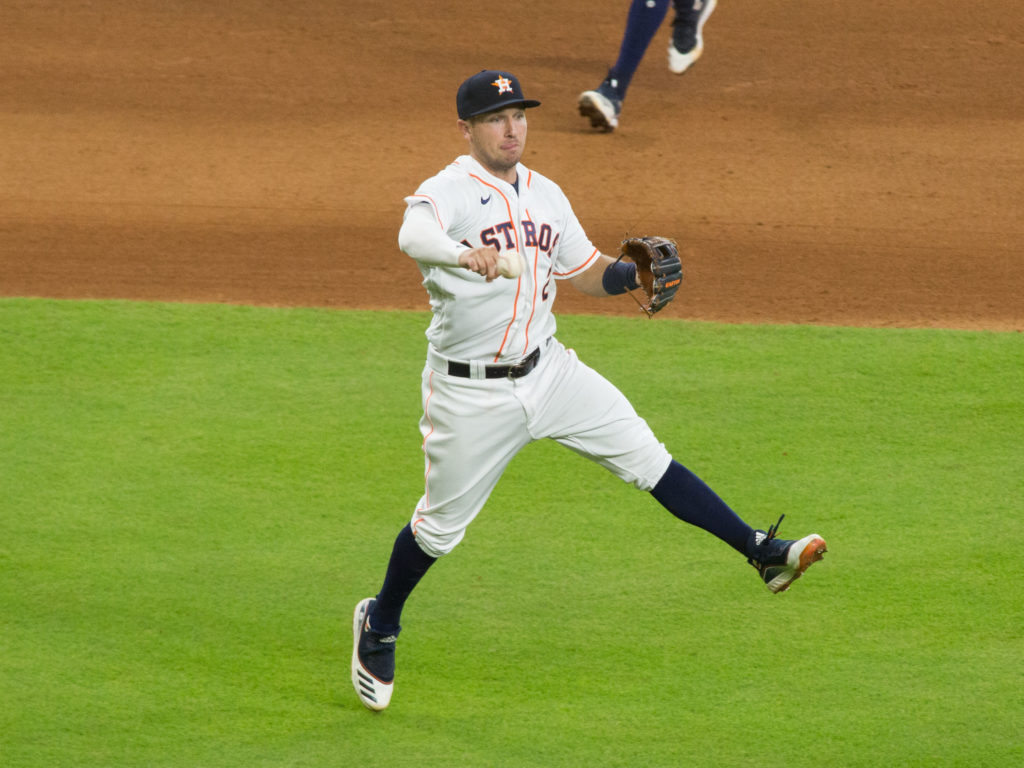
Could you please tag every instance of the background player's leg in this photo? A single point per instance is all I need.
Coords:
(687, 33)
(603, 104)
(645, 17)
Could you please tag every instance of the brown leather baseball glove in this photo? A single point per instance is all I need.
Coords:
(658, 269)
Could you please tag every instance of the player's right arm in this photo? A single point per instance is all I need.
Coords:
(422, 238)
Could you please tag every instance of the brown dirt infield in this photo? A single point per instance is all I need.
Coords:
(826, 162)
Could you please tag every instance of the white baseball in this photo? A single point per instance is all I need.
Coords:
(510, 264)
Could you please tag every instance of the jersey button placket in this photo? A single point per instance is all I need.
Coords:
(523, 307)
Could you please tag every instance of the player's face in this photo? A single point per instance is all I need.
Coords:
(497, 140)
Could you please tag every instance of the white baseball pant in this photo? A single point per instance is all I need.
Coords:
(472, 428)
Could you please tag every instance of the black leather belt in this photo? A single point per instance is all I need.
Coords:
(516, 371)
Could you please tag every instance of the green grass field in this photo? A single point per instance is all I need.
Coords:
(193, 498)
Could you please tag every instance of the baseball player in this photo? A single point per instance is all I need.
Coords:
(603, 105)
(494, 240)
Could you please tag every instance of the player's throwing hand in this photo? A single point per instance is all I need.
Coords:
(483, 261)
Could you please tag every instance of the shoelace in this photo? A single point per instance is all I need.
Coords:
(768, 536)
(773, 530)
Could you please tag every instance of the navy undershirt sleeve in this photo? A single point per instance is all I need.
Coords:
(619, 278)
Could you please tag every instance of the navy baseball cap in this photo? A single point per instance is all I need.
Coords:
(488, 90)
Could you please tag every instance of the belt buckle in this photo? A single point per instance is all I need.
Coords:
(523, 367)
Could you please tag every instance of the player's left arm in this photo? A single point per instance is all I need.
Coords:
(605, 276)
(651, 264)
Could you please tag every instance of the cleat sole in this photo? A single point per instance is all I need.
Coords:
(589, 109)
(813, 551)
(373, 693)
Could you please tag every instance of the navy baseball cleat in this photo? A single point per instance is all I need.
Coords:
(782, 561)
(602, 107)
(373, 659)
(688, 38)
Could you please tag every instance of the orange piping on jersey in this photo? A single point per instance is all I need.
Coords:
(519, 281)
(432, 205)
(582, 266)
(426, 415)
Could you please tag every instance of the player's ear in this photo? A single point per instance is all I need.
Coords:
(463, 127)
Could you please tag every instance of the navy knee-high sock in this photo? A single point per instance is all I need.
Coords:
(406, 567)
(641, 25)
(690, 499)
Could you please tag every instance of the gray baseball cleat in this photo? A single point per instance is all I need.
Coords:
(782, 561)
(373, 659)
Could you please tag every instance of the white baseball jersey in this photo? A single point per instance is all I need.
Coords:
(472, 425)
(504, 320)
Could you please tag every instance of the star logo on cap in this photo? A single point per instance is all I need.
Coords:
(503, 84)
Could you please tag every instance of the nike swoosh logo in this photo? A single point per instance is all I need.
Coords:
(485, 200)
